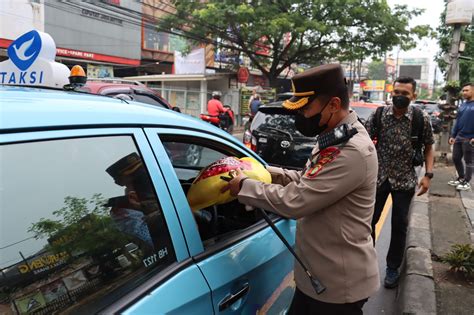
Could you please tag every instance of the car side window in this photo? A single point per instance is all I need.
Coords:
(188, 157)
(81, 224)
(147, 99)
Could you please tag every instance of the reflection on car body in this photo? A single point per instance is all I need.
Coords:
(64, 249)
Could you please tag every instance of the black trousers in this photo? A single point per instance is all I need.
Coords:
(463, 149)
(400, 206)
(303, 304)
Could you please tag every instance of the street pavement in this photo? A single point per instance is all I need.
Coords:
(437, 221)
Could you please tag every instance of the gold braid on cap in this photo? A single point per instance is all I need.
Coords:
(295, 105)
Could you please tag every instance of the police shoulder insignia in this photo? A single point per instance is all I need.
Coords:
(324, 157)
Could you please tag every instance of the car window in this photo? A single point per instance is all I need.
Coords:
(81, 224)
(139, 97)
(215, 223)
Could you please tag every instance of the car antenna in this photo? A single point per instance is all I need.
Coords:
(317, 285)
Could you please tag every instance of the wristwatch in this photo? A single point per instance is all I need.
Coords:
(429, 175)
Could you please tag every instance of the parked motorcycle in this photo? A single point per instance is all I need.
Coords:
(225, 121)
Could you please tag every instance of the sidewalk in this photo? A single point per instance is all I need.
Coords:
(437, 221)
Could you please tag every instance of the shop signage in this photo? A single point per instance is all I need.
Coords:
(373, 85)
(243, 75)
(192, 63)
(32, 62)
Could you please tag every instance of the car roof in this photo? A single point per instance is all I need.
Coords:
(96, 86)
(275, 108)
(39, 108)
(426, 102)
(364, 104)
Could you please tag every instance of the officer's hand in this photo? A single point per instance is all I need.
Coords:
(234, 184)
(451, 141)
(423, 186)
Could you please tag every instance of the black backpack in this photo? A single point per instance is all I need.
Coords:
(416, 134)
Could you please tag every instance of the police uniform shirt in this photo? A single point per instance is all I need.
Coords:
(332, 200)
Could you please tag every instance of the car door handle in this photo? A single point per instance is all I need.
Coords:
(232, 298)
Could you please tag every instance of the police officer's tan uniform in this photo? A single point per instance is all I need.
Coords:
(332, 200)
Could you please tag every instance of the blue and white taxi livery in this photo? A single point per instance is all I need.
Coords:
(95, 217)
(32, 62)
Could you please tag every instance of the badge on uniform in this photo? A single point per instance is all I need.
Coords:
(324, 157)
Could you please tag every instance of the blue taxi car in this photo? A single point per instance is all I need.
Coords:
(79, 236)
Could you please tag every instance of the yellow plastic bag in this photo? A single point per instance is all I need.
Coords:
(205, 191)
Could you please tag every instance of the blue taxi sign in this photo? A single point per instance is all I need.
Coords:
(32, 62)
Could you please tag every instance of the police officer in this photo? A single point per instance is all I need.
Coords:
(332, 199)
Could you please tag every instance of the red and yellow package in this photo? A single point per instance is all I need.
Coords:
(205, 191)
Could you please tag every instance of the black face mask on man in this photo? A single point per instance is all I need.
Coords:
(309, 127)
(400, 101)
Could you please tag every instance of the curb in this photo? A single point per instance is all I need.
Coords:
(416, 292)
(467, 198)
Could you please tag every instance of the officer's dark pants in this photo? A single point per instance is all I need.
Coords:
(303, 304)
(400, 206)
(463, 149)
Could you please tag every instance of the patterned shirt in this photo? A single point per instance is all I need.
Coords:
(394, 148)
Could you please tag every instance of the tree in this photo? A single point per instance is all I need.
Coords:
(376, 70)
(82, 225)
(296, 31)
(444, 36)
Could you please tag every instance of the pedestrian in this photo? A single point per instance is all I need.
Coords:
(332, 198)
(462, 139)
(396, 155)
(255, 105)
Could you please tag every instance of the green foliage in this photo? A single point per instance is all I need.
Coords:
(460, 258)
(453, 86)
(444, 37)
(423, 94)
(82, 225)
(376, 70)
(320, 30)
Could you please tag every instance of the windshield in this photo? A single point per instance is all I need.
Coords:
(286, 123)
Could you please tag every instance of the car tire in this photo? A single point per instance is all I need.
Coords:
(193, 155)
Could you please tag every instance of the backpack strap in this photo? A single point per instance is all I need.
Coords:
(417, 125)
(377, 123)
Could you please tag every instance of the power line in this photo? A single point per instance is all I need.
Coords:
(136, 14)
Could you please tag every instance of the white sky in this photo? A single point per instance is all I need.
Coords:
(426, 48)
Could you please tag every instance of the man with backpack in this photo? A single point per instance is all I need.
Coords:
(400, 132)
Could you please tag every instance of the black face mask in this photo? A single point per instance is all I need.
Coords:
(309, 127)
(400, 101)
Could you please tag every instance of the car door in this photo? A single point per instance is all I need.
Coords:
(88, 226)
(242, 259)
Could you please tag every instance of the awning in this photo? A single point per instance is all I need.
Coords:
(179, 77)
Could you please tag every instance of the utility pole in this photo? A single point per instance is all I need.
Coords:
(453, 73)
(458, 13)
